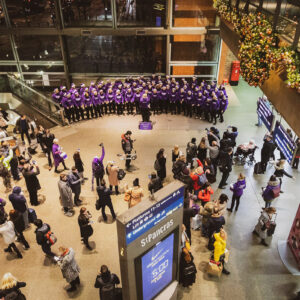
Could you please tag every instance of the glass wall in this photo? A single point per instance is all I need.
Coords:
(141, 13)
(117, 54)
(194, 13)
(78, 13)
(5, 48)
(38, 47)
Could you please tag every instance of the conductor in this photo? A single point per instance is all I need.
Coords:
(127, 146)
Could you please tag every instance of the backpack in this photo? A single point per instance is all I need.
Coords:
(108, 289)
(176, 169)
(98, 170)
(121, 174)
(201, 179)
(51, 238)
(276, 192)
(191, 149)
(156, 165)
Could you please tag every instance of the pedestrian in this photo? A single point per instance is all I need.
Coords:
(98, 167)
(40, 233)
(188, 213)
(30, 173)
(214, 151)
(271, 191)
(209, 170)
(202, 150)
(58, 156)
(79, 165)
(10, 287)
(215, 222)
(238, 190)
(48, 139)
(161, 163)
(191, 151)
(280, 172)
(19, 203)
(7, 229)
(86, 229)
(155, 183)
(14, 166)
(206, 211)
(134, 195)
(226, 166)
(39, 137)
(199, 178)
(69, 267)
(112, 171)
(106, 282)
(175, 153)
(75, 184)
(266, 152)
(65, 195)
(105, 200)
(5, 170)
(17, 218)
(220, 204)
(23, 126)
(297, 155)
(205, 193)
(3, 214)
(263, 224)
(127, 146)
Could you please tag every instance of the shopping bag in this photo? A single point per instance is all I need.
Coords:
(226, 256)
(196, 222)
(214, 270)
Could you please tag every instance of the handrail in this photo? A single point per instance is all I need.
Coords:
(11, 76)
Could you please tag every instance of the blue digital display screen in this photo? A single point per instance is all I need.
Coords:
(157, 267)
(265, 114)
(153, 215)
(284, 142)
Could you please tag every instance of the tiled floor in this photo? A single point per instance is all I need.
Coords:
(256, 271)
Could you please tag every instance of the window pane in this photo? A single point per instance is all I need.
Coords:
(35, 13)
(141, 13)
(193, 13)
(5, 48)
(47, 68)
(86, 12)
(117, 54)
(194, 70)
(195, 48)
(2, 19)
(38, 47)
(8, 68)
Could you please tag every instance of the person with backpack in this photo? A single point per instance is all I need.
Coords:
(17, 218)
(97, 167)
(10, 288)
(191, 151)
(205, 192)
(69, 267)
(199, 178)
(238, 190)
(160, 164)
(134, 195)
(215, 223)
(181, 171)
(112, 171)
(43, 236)
(106, 283)
(271, 191)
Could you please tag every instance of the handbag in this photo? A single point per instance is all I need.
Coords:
(214, 270)
(98, 204)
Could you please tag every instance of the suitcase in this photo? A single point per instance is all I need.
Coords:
(196, 222)
(31, 215)
(214, 270)
(258, 168)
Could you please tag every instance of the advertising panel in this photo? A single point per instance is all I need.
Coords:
(265, 114)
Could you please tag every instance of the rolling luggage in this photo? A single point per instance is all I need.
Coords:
(31, 215)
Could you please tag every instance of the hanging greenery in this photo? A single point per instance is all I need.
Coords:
(258, 52)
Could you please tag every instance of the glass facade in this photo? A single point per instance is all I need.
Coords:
(5, 48)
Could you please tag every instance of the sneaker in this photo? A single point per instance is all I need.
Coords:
(8, 250)
(19, 255)
(224, 271)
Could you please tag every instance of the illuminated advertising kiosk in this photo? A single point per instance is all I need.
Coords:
(149, 245)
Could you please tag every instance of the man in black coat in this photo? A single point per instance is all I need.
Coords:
(30, 173)
(226, 166)
(155, 183)
(23, 127)
(75, 184)
(47, 139)
(266, 152)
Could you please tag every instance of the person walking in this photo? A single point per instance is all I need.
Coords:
(127, 146)
(7, 229)
(86, 229)
(263, 224)
(271, 191)
(267, 152)
(226, 166)
(48, 139)
(30, 173)
(19, 224)
(105, 200)
(238, 190)
(65, 195)
(40, 233)
(75, 184)
(160, 164)
(69, 267)
(10, 287)
(280, 172)
(106, 282)
(23, 127)
(19, 203)
(112, 172)
(134, 195)
(58, 156)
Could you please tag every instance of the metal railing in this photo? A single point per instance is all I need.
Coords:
(38, 101)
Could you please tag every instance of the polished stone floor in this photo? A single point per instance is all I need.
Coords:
(256, 271)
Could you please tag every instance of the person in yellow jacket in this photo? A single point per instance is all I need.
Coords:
(220, 248)
(5, 169)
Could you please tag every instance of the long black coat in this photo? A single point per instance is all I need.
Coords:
(31, 180)
(86, 229)
(267, 150)
(162, 173)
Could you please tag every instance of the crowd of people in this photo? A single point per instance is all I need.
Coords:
(143, 96)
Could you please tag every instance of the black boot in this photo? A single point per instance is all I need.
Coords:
(224, 271)
(117, 190)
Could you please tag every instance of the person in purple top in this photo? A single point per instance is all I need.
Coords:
(102, 102)
(82, 89)
(56, 96)
(223, 107)
(181, 102)
(96, 103)
(129, 99)
(63, 91)
(68, 105)
(98, 167)
(119, 102)
(137, 100)
(199, 104)
(92, 87)
(189, 99)
(238, 190)
(78, 106)
(73, 89)
(173, 101)
(154, 102)
(206, 108)
(58, 156)
(164, 100)
(214, 108)
(111, 101)
(88, 104)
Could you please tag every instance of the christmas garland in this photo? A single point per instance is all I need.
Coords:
(258, 52)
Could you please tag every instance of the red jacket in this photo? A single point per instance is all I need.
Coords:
(195, 175)
(204, 195)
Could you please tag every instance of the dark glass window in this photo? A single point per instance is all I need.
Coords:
(38, 47)
(195, 48)
(35, 13)
(194, 70)
(86, 12)
(117, 54)
(141, 13)
(2, 18)
(8, 68)
(47, 68)
(194, 13)
(5, 48)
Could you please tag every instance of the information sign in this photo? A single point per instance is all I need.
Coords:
(265, 114)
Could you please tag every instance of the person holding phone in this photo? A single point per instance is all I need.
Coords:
(85, 225)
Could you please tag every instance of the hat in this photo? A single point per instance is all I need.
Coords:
(136, 182)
